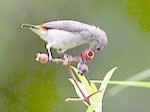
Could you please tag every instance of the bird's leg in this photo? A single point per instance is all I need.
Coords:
(48, 47)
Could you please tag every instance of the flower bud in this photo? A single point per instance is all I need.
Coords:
(88, 55)
(42, 58)
(82, 68)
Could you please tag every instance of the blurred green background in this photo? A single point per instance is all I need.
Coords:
(28, 86)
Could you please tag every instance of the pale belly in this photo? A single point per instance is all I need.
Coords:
(64, 40)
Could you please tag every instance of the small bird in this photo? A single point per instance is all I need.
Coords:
(66, 34)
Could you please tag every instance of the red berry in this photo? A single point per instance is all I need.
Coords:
(88, 55)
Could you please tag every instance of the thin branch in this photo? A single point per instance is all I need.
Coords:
(71, 74)
(67, 63)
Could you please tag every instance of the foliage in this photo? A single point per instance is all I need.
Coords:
(88, 92)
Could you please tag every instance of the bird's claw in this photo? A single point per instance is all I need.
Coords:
(67, 59)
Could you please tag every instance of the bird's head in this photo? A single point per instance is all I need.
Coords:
(40, 30)
(99, 43)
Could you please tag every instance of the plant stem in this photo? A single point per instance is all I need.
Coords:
(71, 74)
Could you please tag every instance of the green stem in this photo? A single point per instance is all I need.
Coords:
(71, 74)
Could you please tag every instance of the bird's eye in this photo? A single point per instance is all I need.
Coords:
(98, 49)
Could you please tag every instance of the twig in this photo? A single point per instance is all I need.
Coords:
(71, 74)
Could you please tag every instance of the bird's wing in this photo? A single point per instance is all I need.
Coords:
(67, 25)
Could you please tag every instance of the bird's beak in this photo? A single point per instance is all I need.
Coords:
(40, 27)
(29, 26)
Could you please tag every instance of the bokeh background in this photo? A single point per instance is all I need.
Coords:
(28, 86)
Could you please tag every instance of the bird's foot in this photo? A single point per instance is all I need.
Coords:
(68, 59)
(50, 58)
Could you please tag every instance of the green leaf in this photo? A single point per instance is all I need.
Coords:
(105, 82)
(82, 78)
(142, 84)
(139, 76)
(95, 97)
(77, 89)
(95, 106)
(73, 99)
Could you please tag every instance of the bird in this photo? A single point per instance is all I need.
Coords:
(63, 35)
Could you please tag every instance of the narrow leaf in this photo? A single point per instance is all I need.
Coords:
(105, 81)
(95, 106)
(142, 84)
(73, 99)
(139, 76)
(95, 97)
(82, 78)
(77, 89)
